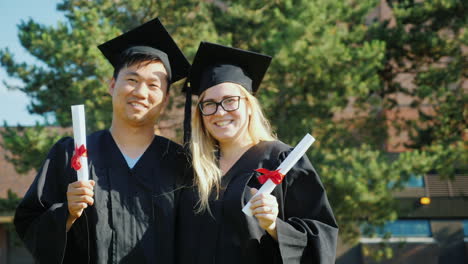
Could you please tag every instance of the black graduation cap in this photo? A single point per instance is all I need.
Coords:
(214, 64)
(150, 37)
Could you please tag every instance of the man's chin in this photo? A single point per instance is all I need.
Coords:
(141, 120)
(135, 120)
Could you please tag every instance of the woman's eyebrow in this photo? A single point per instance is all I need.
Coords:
(222, 98)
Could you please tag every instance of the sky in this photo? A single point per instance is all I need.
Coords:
(13, 104)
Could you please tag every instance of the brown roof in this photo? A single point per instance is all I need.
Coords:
(437, 187)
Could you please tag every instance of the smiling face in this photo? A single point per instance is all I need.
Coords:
(223, 126)
(139, 93)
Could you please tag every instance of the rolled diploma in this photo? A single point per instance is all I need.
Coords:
(284, 168)
(79, 134)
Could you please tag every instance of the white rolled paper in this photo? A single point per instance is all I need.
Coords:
(284, 168)
(79, 134)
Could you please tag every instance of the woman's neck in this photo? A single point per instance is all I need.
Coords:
(232, 151)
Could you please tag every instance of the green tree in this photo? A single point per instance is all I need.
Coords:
(28, 146)
(428, 44)
(9, 204)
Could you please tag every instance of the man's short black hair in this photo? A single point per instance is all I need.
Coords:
(128, 59)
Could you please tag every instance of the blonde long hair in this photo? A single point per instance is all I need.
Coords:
(204, 147)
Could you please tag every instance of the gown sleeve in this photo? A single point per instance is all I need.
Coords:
(41, 216)
(306, 227)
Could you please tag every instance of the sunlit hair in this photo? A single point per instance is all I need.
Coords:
(204, 148)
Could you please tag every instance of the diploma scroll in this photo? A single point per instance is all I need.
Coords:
(79, 134)
(283, 168)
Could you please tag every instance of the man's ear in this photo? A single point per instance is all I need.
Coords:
(111, 86)
(165, 102)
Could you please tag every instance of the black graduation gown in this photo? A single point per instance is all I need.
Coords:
(133, 216)
(307, 230)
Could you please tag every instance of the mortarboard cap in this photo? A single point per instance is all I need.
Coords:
(214, 64)
(149, 38)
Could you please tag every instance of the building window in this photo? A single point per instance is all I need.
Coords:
(405, 228)
(415, 181)
(465, 227)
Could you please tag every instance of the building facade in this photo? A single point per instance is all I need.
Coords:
(431, 233)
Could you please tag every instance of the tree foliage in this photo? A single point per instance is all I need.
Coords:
(9, 204)
(27, 146)
(428, 44)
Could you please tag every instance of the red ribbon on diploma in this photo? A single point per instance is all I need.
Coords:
(275, 176)
(79, 152)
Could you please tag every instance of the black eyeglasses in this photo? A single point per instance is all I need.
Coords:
(229, 104)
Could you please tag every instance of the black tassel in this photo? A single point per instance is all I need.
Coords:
(187, 116)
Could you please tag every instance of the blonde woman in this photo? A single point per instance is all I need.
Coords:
(230, 139)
